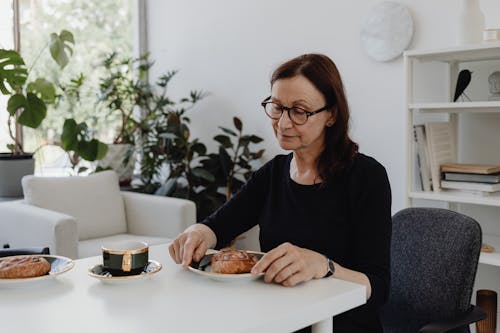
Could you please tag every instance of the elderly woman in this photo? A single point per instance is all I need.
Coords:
(324, 210)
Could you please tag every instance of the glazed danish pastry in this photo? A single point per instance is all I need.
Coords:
(229, 261)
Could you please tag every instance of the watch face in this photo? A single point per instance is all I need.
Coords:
(331, 266)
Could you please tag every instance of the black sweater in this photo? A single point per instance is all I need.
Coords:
(348, 220)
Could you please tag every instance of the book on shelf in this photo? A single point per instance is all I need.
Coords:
(423, 157)
(483, 169)
(470, 186)
(442, 148)
(472, 177)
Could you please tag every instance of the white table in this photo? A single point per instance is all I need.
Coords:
(173, 300)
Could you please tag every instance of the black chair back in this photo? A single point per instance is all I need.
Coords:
(434, 258)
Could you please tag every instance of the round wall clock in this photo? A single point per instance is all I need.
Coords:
(387, 31)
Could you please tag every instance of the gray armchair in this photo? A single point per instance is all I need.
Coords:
(434, 258)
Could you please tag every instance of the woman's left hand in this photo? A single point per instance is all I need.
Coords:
(289, 265)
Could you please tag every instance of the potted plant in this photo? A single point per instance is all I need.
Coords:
(125, 93)
(27, 106)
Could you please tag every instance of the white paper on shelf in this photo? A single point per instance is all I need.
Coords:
(442, 148)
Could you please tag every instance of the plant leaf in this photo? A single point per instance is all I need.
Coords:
(69, 139)
(225, 161)
(44, 89)
(255, 139)
(224, 140)
(202, 173)
(237, 123)
(228, 131)
(34, 111)
(12, 71)
(60, 47)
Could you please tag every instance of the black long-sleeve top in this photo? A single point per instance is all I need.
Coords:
(348, 220)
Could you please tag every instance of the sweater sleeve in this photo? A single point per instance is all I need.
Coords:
(242, 211)
(370, 206)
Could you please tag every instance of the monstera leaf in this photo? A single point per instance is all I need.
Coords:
(33, 109)
(12, 71)
(75, 138)
(61, 47)
(44, 89)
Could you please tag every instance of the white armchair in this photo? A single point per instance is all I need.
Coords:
(74, 216)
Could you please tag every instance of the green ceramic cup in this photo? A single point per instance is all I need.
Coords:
(125, 258)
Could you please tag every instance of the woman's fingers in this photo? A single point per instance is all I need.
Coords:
(263, 264)
(287, 272)
(295, 279)
(277, 267)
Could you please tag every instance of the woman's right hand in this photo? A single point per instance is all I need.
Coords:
(192, 244)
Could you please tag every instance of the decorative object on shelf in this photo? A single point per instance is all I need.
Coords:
(387, 31)
(463, 81)
(487, 300)
(494, 82)
(487, 248)
(470, 23)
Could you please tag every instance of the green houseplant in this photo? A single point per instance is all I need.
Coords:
(172, 162)
(27, 106)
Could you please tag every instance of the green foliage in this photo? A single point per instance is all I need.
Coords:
(98, 28)
(27, 104)
(76, 140)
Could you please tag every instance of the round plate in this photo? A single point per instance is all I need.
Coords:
(58, 265)
(203, 268)
(100, 273)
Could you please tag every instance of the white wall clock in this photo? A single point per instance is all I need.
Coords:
(387, 31)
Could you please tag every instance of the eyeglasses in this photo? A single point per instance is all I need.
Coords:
(296, 114)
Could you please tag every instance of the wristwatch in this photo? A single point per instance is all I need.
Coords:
(331, 267)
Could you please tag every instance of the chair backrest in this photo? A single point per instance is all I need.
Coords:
(7, 252)
(434, 258)
(94, 201)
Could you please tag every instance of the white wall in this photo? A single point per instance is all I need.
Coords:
(229, 49)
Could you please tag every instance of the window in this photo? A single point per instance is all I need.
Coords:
(6, 42)
(99, 28)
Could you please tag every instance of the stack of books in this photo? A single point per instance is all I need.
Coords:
(435, 145)
(480, 179)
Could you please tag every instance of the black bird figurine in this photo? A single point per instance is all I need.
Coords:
(462, 82)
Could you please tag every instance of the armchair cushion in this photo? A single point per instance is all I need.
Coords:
(94, 201)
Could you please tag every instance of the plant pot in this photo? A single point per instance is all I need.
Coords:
(121, 158)
(12, 169)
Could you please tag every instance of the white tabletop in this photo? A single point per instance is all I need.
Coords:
(172, 300)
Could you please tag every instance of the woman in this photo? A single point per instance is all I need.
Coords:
(323, 210)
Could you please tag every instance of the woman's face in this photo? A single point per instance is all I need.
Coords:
(299, 91)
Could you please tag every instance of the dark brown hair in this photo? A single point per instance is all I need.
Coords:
(323, 74)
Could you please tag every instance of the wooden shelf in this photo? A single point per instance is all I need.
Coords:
(470, 53)
(458, 107)
(458, 197)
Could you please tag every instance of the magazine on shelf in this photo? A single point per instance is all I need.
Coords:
(442, 148)
(472, 177)
(470, 186)
(423, 157)
(484, 169)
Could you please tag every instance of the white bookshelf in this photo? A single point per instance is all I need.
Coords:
(457, 107)
(419, 110)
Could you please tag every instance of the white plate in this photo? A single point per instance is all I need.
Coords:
(203, 268)
(58, 266)
(98, 272)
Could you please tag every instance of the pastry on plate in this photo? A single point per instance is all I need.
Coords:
(230, 261)
(23, 267)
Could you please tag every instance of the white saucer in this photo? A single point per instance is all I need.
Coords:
(99, 273)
